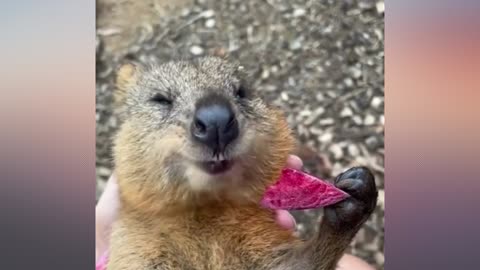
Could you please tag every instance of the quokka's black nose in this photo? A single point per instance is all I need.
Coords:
(214, 124)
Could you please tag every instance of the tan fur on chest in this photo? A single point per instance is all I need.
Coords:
(229, 239)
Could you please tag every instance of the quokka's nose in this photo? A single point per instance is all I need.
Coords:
(215, 125)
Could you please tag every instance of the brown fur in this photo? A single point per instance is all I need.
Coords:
(174, 216)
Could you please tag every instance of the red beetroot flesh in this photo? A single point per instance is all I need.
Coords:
(297, 190)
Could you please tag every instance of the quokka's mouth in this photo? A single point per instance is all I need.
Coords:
(216, 166)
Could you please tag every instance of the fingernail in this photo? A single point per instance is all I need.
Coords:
(285, 220)
(294, 162)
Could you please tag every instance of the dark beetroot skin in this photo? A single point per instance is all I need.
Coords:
(296, 190)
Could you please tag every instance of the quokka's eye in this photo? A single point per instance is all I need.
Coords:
(241, 92)
(162, 100)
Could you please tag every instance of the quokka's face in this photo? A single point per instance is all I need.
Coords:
(199, 122)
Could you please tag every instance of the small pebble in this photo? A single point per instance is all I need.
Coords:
(208, 13)
(265, 74)
(102, 171)
(326, 137)
(337, 169)
(346, 112)
(378, 33)
(316, 131)
(336, 150)
(357, 120)
(353, 150)
(360, 237)
(348, 82)
(376, 102)
(303, 131)
(369, 120)
(360, 161)
(365, 4)
(343, 144)
(370, 245)
(291, 81)
(355, 72)
(299, 12)
(270, 88)
(354, 105)
(320, 97)
(382, 119)
(380, 7)
(379, 258)
(326, 121)
(210, 23)
(381, 198)
(305, 113)
(196, 50)
(314, 116)
(332, 94)
(327, 30)
(185, 12)
(296, 44)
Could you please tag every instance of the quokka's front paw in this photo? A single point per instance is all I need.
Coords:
(351, 213)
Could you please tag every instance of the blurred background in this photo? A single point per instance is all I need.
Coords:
(321, 61)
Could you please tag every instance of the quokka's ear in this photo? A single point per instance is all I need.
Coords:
(127, 76)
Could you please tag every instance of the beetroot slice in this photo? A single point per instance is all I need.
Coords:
(297, 190)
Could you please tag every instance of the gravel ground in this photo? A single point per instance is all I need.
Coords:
(321, 61)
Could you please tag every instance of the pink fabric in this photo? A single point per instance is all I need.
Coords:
(102, 262)
(296, 190)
